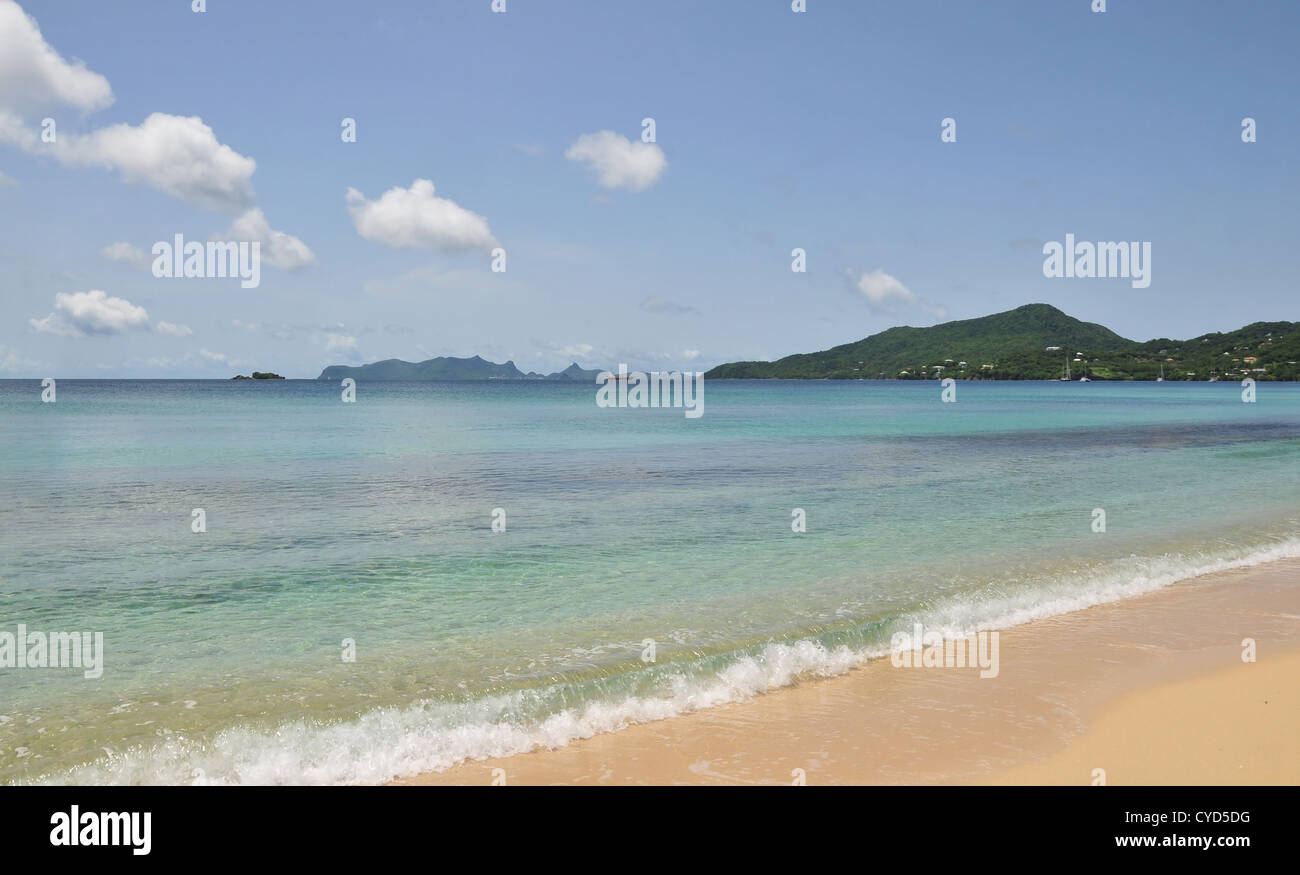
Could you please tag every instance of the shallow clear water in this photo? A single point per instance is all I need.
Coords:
(372, 521)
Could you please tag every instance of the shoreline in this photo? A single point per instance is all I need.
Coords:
(1152, 688)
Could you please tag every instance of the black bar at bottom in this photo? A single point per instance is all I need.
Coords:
(636, 827)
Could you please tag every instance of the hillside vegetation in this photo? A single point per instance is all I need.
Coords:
(1038, 342)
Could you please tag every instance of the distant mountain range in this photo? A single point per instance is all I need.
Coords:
(446, 368)
(1039, 342)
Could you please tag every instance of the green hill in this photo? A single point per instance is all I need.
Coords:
(1036, 342)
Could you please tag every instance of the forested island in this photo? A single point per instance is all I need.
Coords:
(1039, 342)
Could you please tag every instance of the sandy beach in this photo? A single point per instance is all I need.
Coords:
(1151, 690)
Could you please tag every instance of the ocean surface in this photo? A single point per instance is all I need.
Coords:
(224, 654)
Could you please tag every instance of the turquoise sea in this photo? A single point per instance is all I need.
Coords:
(224, 649)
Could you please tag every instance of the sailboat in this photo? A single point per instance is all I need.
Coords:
(1066, 378)
(1161, 378)
(1085, 378)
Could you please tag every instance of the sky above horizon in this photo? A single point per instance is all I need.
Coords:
(773, 130)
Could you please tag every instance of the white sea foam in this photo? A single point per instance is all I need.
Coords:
(430, 736)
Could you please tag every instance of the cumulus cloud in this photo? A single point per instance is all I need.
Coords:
(125, 253)
(413, 218)
(173, 329)
(887, 294)
(78, 314)
(178, 155)
(278, 248)
(34, 76)
(95, 313)
(880, 289)
(617, 161)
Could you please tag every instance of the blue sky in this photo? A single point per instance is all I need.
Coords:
(774, 130)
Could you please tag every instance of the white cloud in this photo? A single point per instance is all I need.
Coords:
(619, 162)
(886, 294)
(125, 253)
(219, 358)
(412, 218)
(82, 314)
(173, 329)
(78, 314)
(34, 76)
(278, 248)
(879, 288)
(178, 155)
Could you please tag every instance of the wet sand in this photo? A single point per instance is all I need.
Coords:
(1153, 690)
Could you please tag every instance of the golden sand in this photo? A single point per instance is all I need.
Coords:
(1152, 690)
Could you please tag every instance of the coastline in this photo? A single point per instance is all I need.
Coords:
(1152, 689)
